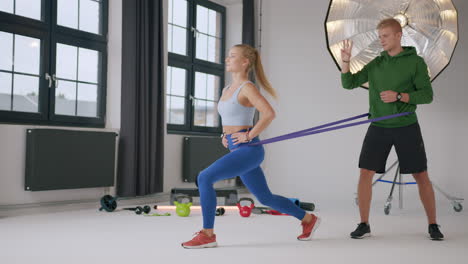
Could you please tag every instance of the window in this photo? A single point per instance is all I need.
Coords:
(195, 73)
(53, 62)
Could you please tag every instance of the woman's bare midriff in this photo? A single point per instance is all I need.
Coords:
(233, 129)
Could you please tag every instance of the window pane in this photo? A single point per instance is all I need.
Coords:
(178, 81)
(212, 119)
(200, 85)
(202, 47)
(200, 113)
(25, 93)
(67, 13)
(83, 15)
(6, 6)
(212, 87)
(176, 110)
(5, 91)
(87, 100)
(214, 23)
(206, 92)
(66, 66)
(169, 12)
(27, 54)
(29, 8)
(202, 19)
(168, 109)
(168, 80)
(26, 8)
(65, 98)
(6, 47)
(214, 48)
(89, 16)
(179, 40)
(88, 65)
(169, 38)
(179, 13)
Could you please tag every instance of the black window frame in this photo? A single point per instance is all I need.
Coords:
(50, 34)
(191, 64)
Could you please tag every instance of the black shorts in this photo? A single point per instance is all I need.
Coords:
(409, 147)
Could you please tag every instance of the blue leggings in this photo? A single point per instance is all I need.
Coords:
(244, 162)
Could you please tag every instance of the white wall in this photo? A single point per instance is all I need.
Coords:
(233, 27)
(323, 168)
(13, 143)
(114, 66)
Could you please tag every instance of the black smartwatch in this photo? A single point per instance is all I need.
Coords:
(398, 97)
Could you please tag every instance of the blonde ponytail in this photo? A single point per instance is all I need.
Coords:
(252, 55)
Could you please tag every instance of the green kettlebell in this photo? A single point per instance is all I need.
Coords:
(183, 209)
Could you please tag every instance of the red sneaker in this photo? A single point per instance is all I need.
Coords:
(201, 241)
(309, 228)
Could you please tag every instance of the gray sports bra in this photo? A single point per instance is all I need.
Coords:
(233, 113)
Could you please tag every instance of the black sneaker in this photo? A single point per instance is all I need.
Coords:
(363, 230)
(435, 233)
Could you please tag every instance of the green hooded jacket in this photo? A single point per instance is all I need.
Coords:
(405, 72)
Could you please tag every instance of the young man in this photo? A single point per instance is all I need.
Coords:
(398, 81)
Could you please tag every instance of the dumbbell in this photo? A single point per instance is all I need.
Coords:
(303, 205)
(220, 211)
(139, 210)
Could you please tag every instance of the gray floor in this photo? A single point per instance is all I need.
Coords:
(84, 235)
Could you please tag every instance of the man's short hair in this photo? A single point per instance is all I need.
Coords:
(390, 22)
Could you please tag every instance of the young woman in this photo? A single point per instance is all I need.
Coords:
(237, 106)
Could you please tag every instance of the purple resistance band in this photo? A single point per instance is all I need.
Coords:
(317, 129)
